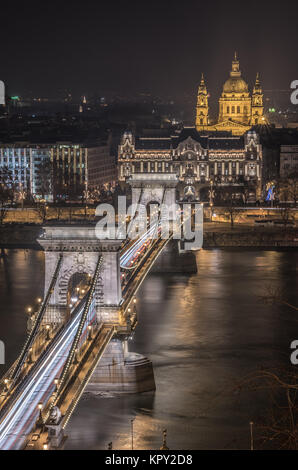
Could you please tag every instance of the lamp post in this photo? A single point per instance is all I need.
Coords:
(40, 421)
(251, 435)
(164, 441)
(86, 197)
(131, 430)
(22, 195)
(48, 337)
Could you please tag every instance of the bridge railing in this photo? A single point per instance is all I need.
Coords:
(13, 392)
(89, 299)
(30, 339)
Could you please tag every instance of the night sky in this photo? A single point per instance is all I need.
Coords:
(153, 46)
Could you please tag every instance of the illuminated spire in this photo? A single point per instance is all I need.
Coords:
(257, 87)
(235, 72)
(202, 86)
(202, 118)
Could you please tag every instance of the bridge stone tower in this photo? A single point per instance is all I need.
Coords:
(118, 370)
(81, 249)
(154, 187)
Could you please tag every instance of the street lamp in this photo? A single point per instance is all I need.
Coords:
(164, 441)
(22, 194)
(89, 332)
(39, 421)
(251, 435)
(6, 381)
(131, 429)
(48, 332)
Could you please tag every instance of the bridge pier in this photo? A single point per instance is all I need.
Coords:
(173, 261)
(120, 371)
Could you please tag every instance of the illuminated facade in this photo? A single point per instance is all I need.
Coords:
(73, 164)
(198, 159)
(23, 161)
(238, 109)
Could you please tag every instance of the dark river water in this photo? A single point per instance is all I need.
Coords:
(203, 332)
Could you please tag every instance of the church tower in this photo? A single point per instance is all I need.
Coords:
(202, 115)
(257, 106)
(235, 101)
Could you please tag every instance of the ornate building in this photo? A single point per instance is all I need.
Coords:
(238, 110)
(198, 159)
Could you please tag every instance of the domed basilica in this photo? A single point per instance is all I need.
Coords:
(238, 110)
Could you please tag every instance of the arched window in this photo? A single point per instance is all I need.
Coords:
(233, 109)
(228, 109)
(238, 109)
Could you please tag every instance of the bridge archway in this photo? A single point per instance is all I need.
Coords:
(160, 188)
(80, 251)
(78, 285)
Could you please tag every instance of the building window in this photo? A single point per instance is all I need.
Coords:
(238, 109)
(228, 109)
(233, 109)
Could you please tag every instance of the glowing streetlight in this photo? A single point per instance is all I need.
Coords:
(131, 429)
(48, 332)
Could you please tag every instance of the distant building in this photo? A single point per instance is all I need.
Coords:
(23, 160)
(91, 164)
(84, 165)
(279, 154)
(288, 160)
(198, 159)
(238, 109)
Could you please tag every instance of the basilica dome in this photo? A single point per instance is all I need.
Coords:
(235, 85)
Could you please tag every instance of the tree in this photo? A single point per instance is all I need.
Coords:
(41, 210)
(231, 203)
(291, 184)
(7, 191)
(286, 216)
(277, 427)
(44, 178)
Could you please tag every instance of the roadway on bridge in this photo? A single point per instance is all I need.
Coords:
(132, 253)
(23, 413)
